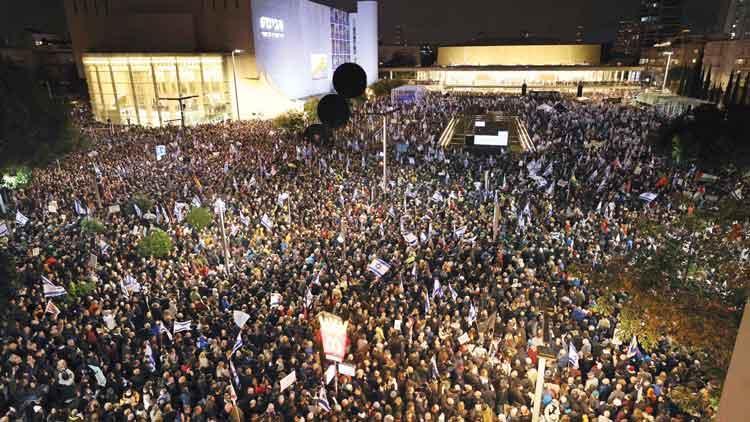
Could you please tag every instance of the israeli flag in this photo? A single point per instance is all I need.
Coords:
(150, 358)
(453, 293)
(459, 232)
(379, 267)
(161, 151)
(436, 289)
(137, 210)
(132, 284)
(411, 239)
(237, 343)
(472, 314)
(244, 220)
(633, 348)
(4, 229)
(437, 197)
(573, 355)
(80, 209)
(308, 298)
(181, 326)
(266, 222)
(21, 219)
(323, 400)
(196, 202)
(434, 373)
(426, 303)
(50, 290)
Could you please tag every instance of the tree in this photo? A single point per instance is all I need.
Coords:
(199, 218)
(311, 109)
(384, 87)
(34, 129)
(91, 225)
(156, 244)
(690, 285)
(9, 279)
(291, 121)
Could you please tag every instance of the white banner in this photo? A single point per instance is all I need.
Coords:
(347, 369)
(288, 380)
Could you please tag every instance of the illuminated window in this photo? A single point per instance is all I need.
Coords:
(740, 61)
(340, 44)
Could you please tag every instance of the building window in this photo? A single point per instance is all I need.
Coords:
(340, 44)
(740, 61)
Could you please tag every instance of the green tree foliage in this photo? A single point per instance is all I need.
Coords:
(156, 244)
(91, 225)
(9, 279)
(384, 87)
(291, 121)
(311, 109)
(16, 177)
(199, 218)
(144, 202)
(81, 289)
(691, 288)
(34, 129)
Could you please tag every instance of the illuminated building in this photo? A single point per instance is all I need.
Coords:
(506, 67)
(737, 24)
(660, 20)
(136, 54)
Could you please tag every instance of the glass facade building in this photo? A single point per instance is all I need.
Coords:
(135, 88)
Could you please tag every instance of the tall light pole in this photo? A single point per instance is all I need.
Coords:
(385, 115)
(666, 69)
(234, 75)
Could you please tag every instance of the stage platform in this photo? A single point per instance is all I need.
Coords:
(462, 126)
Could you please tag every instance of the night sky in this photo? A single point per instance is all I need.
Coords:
(450, 21)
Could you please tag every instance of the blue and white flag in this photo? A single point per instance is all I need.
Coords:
(323, 400)
(308, 298)
(137, 210)
(426, 303)
(4, 229)
(453, 293)
(163, 329)
(50, 290)
(411, 239)
(437, 290)
(235, 375)
(165, 215)
(181, 326)
(459, 232)
(573, 355)
(379, 267)
(21, 219)
(161, 151)
(131, 284)
(80, 209)
(244, 220)
(150, 358)
(266, 222)
(437, 197)
(196, 202)
(633, 348)
(472, 314)
(434, 373)
(237, 343)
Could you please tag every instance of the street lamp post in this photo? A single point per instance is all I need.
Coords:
(385, 115)
(666, 69)
(234, 75)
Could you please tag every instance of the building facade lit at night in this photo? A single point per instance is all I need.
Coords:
(267, 57)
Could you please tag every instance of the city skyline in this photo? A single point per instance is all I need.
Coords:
(445, 21)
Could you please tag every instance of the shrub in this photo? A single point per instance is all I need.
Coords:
(199, 218)
(156, 244)
(384, 87)
(81, 289)
(91, 225)
(143, 202)
(291, 121)
(311, 109)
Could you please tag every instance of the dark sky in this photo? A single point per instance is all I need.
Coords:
(450, 21)
(460, 20)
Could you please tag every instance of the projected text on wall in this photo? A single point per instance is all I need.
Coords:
(271, 27)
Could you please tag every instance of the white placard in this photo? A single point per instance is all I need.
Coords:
(35, 252)
(52, 207)
(464, 338)
(330, 373)
(397, 324)
(288, 380)
(347, 369)
(113, 209)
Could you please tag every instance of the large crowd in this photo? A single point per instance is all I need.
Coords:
(453, 329)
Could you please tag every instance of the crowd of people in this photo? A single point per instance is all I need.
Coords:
(450, 330)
